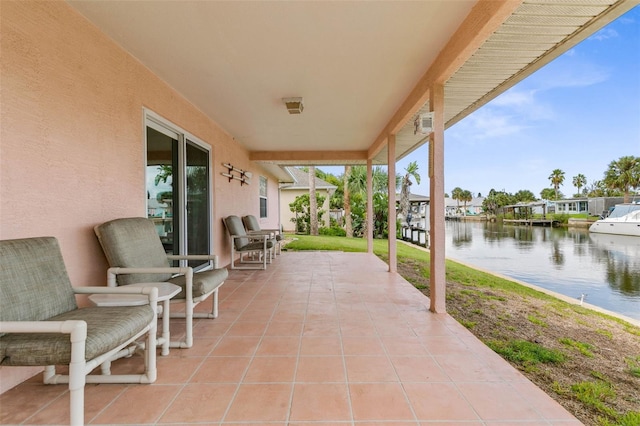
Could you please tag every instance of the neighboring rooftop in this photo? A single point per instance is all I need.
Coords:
(301, 180)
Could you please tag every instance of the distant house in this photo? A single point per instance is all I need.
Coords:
(457, 208)
(595, 206)
(300, 186)
(572, 205)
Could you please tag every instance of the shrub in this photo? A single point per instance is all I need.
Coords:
(334, 231)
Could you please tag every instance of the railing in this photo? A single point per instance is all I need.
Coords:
(417, 236)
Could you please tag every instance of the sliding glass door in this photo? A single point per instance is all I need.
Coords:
(197, 216)
(178, 181)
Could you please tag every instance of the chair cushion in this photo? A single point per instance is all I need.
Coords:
(133, 243)
(235, 227)
(203, 282)
(34, 284)
(107, 327)
(251, 223)
(258, 245)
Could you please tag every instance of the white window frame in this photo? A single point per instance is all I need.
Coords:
(159, 123)
(264, 196)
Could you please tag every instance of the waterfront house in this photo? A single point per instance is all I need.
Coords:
(103, 100)
(572, 206)
(457, 208)
(593, 206)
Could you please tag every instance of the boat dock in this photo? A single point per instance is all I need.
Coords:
(530, 214)
(532, 222)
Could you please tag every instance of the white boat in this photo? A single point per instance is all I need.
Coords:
(624, 219)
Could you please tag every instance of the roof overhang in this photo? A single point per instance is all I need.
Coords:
(364, 69)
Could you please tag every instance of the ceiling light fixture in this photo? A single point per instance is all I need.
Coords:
(294, 105)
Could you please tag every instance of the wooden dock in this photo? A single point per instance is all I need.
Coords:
(531, 222)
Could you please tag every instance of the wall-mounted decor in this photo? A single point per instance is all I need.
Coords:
(238, 174)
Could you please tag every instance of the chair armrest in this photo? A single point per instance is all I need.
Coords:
(255, 237)
(274, 230)
(261, 232)
(77, 328)
(114, 271)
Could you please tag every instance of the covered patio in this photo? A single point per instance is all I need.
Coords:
(94, 93)
(319, 338)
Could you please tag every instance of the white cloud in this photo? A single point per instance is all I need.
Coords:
(604, 34)
(492, 124)
(573, 74)
(514, 97)
(508, 115)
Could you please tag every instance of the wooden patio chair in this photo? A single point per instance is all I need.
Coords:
(135, 253)
(243, 243)
(41, 324)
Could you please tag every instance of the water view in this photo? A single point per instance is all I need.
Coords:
(604, 269)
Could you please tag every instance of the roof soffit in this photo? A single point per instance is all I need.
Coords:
(360, 66)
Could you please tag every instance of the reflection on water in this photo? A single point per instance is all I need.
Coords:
(604, 268)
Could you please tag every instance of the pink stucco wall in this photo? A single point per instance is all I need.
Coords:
(72, 139)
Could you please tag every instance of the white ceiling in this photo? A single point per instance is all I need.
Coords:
(354, 63)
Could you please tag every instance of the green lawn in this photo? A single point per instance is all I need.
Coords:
(380, 247)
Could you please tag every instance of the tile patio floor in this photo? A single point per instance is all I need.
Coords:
(319, 338)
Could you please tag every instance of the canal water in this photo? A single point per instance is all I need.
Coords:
(604, 269)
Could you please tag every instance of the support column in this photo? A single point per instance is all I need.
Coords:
(369, 206)
(437, 282)
(391, 217)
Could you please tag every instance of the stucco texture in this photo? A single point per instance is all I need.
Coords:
(72, 151)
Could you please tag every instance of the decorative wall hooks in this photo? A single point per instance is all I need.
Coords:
(238, 174)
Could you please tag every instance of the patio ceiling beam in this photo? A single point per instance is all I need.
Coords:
(483, 20)
(308, 156)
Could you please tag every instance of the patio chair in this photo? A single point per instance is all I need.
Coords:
(253, 228)
(246, 244)
(41, 324)
(135, 254)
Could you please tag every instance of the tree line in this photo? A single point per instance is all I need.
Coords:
(351, 197)
(620, 179)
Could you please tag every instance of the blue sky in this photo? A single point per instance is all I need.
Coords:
(577, 114)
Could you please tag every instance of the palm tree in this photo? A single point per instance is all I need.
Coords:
(411, 171)
(465, 197)
(579, 181)
(547, 194)
(346, 200)
(313, 201)
(357, 187)
(557, 178)
(623, 174)
(456, 194)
